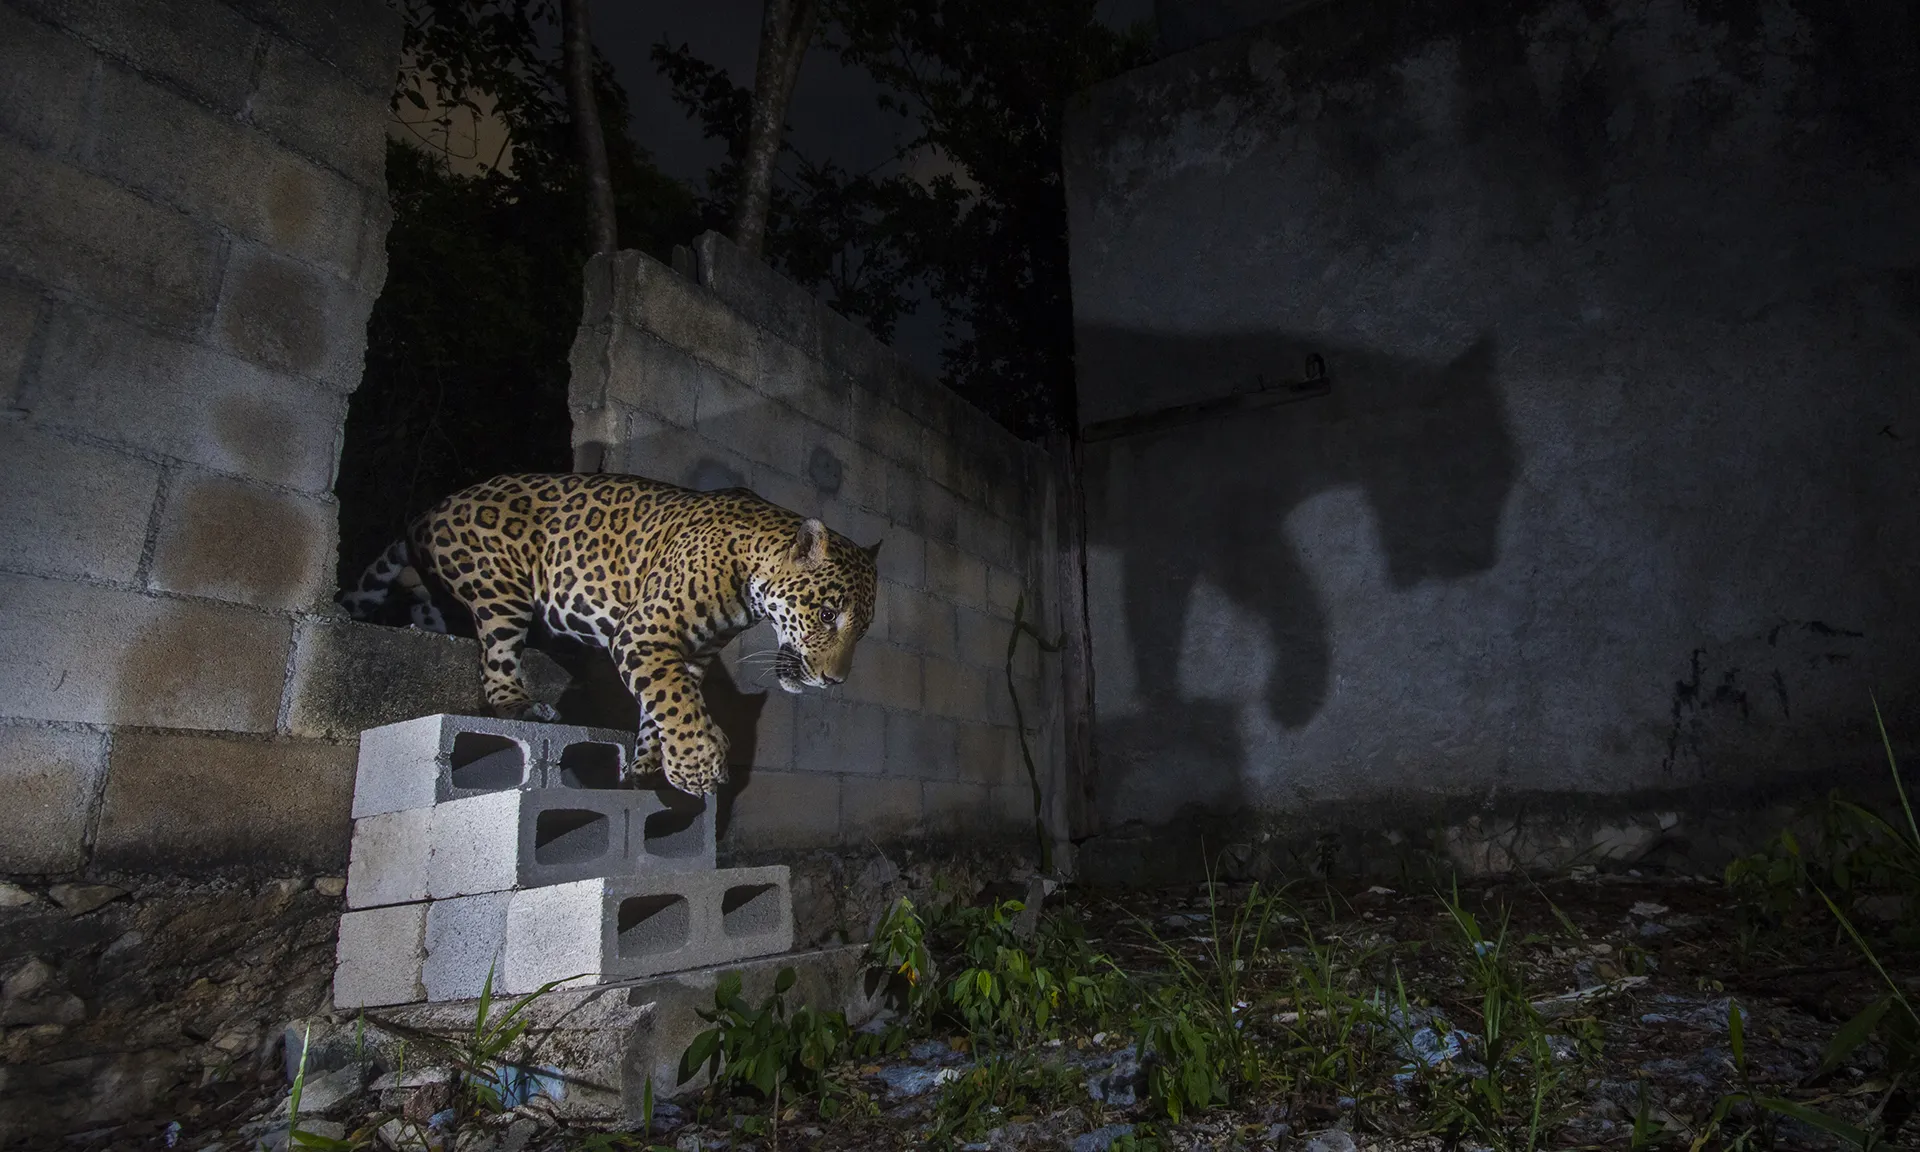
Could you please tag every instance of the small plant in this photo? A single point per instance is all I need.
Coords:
(1194, 1027)
(769, 1048)
(1000, 1086)
(298, 1137)
(1009, 996)
(899, 952)
(485, 1081)
(1518, 1094)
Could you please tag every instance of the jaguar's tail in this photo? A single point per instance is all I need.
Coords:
(375, 586)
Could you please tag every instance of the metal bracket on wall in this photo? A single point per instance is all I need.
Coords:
(1313, 383)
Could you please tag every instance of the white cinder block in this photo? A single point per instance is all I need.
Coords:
(532, 837)
(465, 937)
(388, 861)
(417, 763)
(379, 955)
(643, 925)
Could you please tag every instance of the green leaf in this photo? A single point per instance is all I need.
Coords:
(784, 981)
(698, 1053)
(1853, 1033)
(1858, 1137)
(1737, 1036)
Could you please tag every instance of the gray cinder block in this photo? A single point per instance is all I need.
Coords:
(464, 941)
(535, 837)
(418, 763)
(627, 927)
(387, 863)
(378, 957)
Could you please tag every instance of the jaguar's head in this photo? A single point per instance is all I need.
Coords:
(818, 591)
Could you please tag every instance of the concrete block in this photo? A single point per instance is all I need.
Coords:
(987, 536)
(926, 747)
(955, 809)
(748, 423)
(939, 512)
(292, 318)
(465, 941)
(188, 801)
(800, 381)
(789, 492)
(81, 234)
(110, 379)
(208, 49)
(388, 861)
(165, 146)
(829, 736)
(226, 539)
(48, 780)
(955, 690)
(785, 810)
(73, 509)
(881, 809)
(990, 754)
(919, 621)
(883, 674)
(1010, 809)
(983, 640)
(848, 472)
(886, 428)
(649, 375)
(653, 298)
(433, 759)
(359, 37)
(44, 79)
(957, 575)
(761, 295)
(349, 677)
(90, 654)
(1005, 590)
(611, 929)
(530, 838)
(318, 111)
(379, 956)
(904, 558)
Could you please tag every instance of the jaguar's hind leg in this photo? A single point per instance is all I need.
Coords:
(503, 640)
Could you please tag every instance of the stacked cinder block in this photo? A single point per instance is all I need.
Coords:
(525, 849)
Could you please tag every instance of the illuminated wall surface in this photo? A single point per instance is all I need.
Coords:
(1614, 489)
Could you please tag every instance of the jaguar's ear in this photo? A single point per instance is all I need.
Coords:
(809, 545)
(873, 550)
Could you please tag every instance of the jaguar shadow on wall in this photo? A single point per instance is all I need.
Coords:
(1212, 634)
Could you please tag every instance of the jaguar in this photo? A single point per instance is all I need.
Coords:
(662, 577)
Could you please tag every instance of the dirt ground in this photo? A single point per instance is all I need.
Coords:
(155, 1019)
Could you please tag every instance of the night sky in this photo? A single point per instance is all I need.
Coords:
(833, 115)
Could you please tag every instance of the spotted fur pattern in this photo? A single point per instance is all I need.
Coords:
(662, 577)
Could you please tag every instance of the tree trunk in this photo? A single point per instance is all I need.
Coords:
(1076, 655)
(785, 31)
(577, 43)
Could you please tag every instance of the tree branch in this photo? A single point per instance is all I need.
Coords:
(602, 234)
(785, 31)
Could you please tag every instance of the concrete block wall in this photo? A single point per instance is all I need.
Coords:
(1605, 509)
(191, 240)
(738, 377)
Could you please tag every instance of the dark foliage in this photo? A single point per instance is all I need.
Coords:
(985, 82)
(466, 372)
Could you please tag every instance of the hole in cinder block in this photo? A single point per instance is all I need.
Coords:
(653, 925)
(486, 763)
(678, 831)
(750, 909)
(570, 836)
(590, 765)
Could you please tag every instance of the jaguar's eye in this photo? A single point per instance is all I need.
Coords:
(829, 615)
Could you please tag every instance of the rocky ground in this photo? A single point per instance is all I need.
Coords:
(152, 1014)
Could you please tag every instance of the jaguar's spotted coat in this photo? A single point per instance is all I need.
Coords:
(661, 576)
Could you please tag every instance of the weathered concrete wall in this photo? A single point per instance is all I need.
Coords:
(1615, 489)
(739, 377)
(192, 236)
(1184, 24)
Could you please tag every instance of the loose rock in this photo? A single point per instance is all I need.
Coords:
(80, 899)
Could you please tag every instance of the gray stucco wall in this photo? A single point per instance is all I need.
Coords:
(1615, 492)
(192, 227)
(734, 376)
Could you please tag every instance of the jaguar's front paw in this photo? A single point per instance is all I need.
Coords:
(531, 710)
(697, 764)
